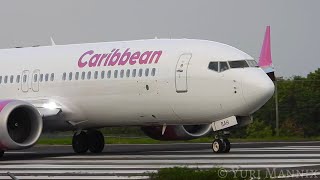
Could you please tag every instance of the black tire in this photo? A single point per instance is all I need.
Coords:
(227, 146)
(80, 143)
(1, 153)
(217, 146)
(96, 141)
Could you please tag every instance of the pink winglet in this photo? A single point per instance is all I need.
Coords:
(265, 55)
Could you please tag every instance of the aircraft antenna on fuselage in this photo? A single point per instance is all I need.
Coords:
(52, 42)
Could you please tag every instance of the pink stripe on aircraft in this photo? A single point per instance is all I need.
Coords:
(4, 103)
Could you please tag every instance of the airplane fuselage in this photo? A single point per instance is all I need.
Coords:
(144, 82)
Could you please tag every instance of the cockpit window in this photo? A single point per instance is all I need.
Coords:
(214, 66)
(223, 66)
(238, 64)
(252, 63)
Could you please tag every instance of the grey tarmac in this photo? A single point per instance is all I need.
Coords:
(135, 160)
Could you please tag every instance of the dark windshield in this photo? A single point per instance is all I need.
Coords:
(213, 66)
(223, 66)
(238, 64)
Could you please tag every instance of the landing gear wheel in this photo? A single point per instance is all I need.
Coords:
(1, 153)
(96, 141)
(227, 145)
(80, 142)
(217, 146)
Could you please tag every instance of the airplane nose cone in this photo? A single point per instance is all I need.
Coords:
(257, 90)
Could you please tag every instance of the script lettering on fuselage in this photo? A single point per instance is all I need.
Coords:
(116, 57)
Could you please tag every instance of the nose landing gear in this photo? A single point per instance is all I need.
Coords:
(91, 140)
(221, 144)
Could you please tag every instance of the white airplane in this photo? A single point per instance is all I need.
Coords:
(174, 89)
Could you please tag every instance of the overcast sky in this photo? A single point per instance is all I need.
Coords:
(295, 25)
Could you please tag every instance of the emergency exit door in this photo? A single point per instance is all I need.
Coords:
(24, 81)
(182, 73)
(35, 80)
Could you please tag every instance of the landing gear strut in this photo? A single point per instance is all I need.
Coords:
(91, 140)
(221, 144)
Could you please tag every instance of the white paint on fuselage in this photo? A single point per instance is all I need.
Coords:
(126, 101)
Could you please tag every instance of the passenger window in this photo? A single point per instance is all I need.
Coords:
(46, 77)
(41, 77)
(35, 78)
(134, 73)
(214, 66)
(77, 76)
(24, 78)
(64, 76)
(146, 72)
(83, 75)
(5, 79)
(11, 79)
(115, 73)
(70, 76)
(122, 73)
(89, 75)
(102, 74)
(52, 77)
(96, 75)
(223, 66)
(109, 74)
(238, 64)
(153, 72)
(140, 72)
(128, 73)
(18, 79)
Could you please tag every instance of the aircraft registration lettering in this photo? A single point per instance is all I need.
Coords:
(224, 123)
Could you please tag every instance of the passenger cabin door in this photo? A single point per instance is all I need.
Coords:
(182, 73)
(24, 81)
(35, 80)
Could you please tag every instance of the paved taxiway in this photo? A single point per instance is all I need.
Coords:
(132, 161)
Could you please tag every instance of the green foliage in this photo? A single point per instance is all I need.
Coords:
(299, 106)
(290, 128)
(259, 129)
(183, 173)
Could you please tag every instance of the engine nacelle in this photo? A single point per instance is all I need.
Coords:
(20, 125)
(177, 132)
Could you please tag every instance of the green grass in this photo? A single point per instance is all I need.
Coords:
(66, 140)
(55, 141)
(183, 173)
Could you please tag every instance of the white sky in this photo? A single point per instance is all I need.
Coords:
(295, 25)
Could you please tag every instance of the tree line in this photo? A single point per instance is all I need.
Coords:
(299, 109)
